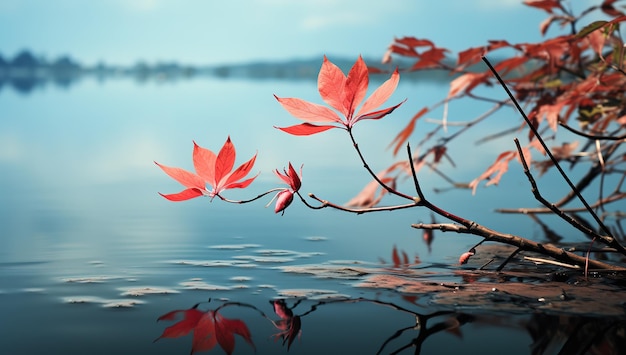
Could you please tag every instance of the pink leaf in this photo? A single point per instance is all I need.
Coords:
(331, 82)
(308, 111)
(183, 327)
(204, 163)
(356, 86)
(241, 171)
(466, 82)
(241, 184)
(225, 161)
(183, 195)
(184, 177)
(381, 94)
(305, 129)
(376, 115)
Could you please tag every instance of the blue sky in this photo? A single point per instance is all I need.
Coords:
(211, 32)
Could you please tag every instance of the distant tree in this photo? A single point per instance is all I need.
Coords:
(65, 63)
(25, 59)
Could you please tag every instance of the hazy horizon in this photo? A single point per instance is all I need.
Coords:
(210, 33)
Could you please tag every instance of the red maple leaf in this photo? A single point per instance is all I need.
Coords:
(209, 328)
(214, 170)
(342, 93)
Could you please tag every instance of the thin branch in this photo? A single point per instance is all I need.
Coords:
(522, 243)
(250, 200)
(604, 228)
(591, 136)
(608, 240)
(325, 203)
(542, 210)
(369, 170)
(424, 202)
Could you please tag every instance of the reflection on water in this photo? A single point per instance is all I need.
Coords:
(423, 331)
(91, 255)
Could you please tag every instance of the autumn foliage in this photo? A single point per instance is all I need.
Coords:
(573, 83)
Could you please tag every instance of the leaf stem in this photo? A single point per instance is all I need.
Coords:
(250, 200)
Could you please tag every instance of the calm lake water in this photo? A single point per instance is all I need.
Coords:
(91, 255)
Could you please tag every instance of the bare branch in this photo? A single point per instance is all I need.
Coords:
(522, 243)
(604, 228)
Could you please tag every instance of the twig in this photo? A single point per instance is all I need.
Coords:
(522, 243)
(250, 200)
(540, 210)
(552, 262)
(325, 203)
(609, 238)
(509, 258)
(591, 136)
(369, 170)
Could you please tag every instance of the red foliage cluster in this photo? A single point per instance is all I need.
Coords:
(578, 74)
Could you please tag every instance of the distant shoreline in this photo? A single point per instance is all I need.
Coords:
(25, 71)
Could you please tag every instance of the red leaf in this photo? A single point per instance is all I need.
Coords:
(406, 132)
(308, 111)
(551, 113)
(191, 317)
(415, 42)
(330, 83)
(183, 195)
(225, 329)
(545, 24)
(367, 196)
(509, 64)
(499, 167)
(209, 328)
(184, 177)
(430, 58)
(212, 169)
(356, 87)
(466, 82)
(546, 5)
(342, 93)
(204, 338)
(241, 184)
(204, 163)
(381, 94)
(240, 173)
(470, 56)
(403, 51)
(304, 129)
(395, 257)
(377, 114)
(224, 162)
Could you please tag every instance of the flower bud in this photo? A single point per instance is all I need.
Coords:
(283, 200)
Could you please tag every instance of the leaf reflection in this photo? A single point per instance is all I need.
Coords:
(549, 333)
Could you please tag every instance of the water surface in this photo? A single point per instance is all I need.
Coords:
(91, 255)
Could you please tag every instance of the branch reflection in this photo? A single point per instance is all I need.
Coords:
(547, 333)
